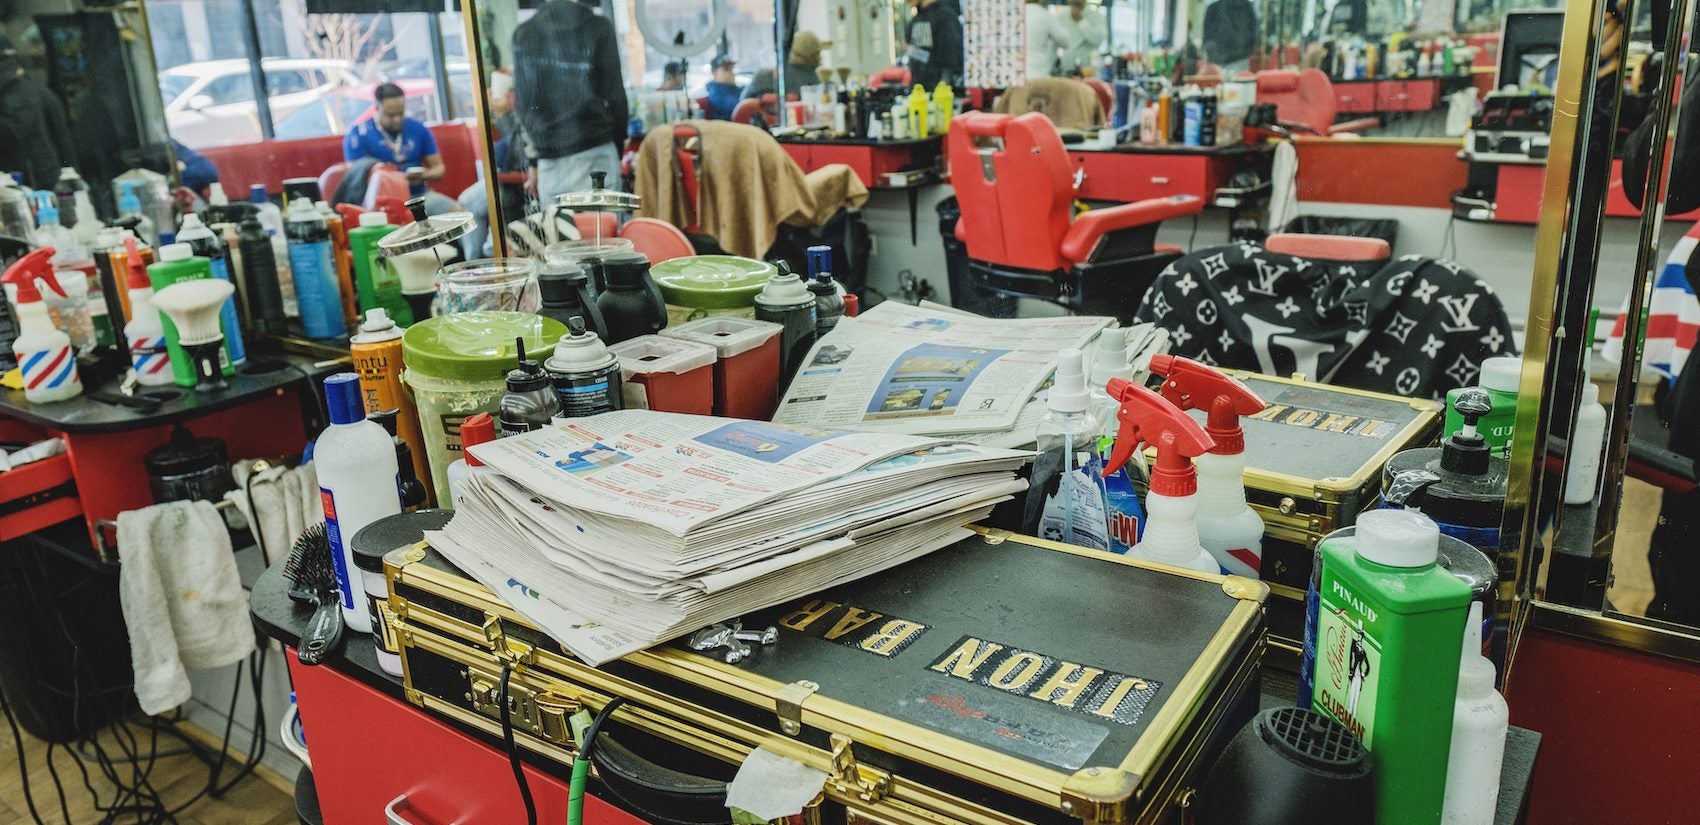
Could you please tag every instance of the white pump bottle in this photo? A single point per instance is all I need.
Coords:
(1480, 721)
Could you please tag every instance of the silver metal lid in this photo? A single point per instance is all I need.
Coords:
(425, 232)
(599, 198)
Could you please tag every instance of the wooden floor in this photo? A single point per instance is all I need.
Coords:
(177, 778)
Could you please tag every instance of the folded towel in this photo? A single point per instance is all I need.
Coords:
(182, 598)
(287, 500)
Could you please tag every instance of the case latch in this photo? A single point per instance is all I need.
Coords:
(511, 654)
(789, 705)
(849, 778)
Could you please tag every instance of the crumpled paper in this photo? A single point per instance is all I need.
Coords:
(771, 786)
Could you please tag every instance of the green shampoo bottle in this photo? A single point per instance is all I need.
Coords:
(375, 282)
(177, 262)
(1389, 615)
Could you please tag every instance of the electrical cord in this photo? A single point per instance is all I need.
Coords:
(581, 763)
(1194, 236)
(513, 749)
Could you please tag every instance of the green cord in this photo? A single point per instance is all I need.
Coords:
(580, 723)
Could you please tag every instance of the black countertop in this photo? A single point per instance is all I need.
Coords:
(905, 143)
(262, 375)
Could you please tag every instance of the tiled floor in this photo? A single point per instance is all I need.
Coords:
(177, 778)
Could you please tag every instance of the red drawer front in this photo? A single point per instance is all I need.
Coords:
(801, 153)
(1406, 95)
(1518, 199)
(37, 494)
(1354, 98)
(369, 750)
(859, 158)
(1125, 178)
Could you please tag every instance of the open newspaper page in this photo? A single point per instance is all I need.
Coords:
(901, 368)
(679, 473)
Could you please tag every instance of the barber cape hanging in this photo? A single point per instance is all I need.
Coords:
(1414, 326)
(1673, 314)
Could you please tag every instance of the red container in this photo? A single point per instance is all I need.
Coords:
(746, 374)
(667, 374)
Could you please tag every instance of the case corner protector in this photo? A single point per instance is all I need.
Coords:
(1240, 587)
(1099, 794)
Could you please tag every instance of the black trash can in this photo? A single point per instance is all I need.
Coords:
(964, 293)
(64, 654)
(1387, 230)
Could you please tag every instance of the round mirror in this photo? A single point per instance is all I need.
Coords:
(680, 28)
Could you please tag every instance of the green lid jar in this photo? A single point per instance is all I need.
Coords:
(457, 366)
(703, 285)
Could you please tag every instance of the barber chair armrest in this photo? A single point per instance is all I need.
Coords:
(1358, 125)
(1091, 228)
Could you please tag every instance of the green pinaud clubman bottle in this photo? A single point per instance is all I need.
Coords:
(1388, 618)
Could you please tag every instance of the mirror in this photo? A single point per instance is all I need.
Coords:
(680, 28)
(1611, 499)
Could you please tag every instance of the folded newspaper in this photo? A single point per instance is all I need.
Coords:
(619, 531)
(930, 370)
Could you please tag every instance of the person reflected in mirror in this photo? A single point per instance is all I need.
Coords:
(570, 95)
(1046, 38)
(392, 137)
(935, 43)
(35, 138)
(1087, 30)
(673, 76)
(1230, 35)
(194, 171)
(511, 163)
(799, 68)
(723, 90)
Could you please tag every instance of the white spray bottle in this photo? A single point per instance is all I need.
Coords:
(1068, 451)
(1170, 535)
(145, 333)
(45, 359)
(1227, 526)
(1480, 721)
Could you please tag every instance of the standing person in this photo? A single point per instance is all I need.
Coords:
(723, 89)
(672, 76)
(35, 138)
(1230, 35)
(1046, 38)
(570, 95)
(511, 164)
(799, 68)
(935, 43)
(1087, 31)
(392, 137)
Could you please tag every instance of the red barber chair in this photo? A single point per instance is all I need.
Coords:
(1304, 102)
(1106, 95)
(749, 109)
(1015, 185)
(1328, 247)
(687, 151)
(657, 239)
(891, 74)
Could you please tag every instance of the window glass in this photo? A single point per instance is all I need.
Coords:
(230, 88)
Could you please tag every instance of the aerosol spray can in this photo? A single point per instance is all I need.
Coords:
(376, 350)
(786, 301)
(530, 402)
(829, 295)
(585, 374)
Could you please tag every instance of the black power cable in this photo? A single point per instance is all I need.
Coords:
(502, 700)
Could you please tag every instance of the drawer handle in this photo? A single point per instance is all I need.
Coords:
(393, 812)
(1160, 181)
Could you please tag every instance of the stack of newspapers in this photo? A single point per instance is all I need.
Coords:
(619, 531)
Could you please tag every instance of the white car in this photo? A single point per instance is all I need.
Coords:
(211, 103)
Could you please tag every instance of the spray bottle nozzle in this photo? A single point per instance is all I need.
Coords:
(1465, 451)
(1191, 385)
(138, 269)
(24, 272)
(1472, 404)
(1144, 417)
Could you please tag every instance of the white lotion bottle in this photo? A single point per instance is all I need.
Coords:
(359, 482)
(1582, 464)
(1480, 721)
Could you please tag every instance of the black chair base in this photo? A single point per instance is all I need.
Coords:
(1112, 288)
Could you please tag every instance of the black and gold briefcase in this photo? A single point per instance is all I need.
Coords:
(1000, 680)
(1313, 462)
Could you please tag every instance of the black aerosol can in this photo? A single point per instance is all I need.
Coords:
(786, 301)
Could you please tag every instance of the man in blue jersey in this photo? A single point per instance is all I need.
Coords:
(392, 137)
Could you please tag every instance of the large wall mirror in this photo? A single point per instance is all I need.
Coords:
(1611, 504)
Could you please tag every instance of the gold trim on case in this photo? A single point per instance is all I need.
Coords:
(685, 722)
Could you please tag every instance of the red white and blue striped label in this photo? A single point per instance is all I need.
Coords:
(149, 355)
(49, 368)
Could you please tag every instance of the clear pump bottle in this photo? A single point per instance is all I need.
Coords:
(1068, 452)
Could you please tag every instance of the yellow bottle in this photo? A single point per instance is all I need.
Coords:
(918, 117)
(944, 101)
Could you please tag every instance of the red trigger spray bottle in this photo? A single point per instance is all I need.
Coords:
(1227, 526)
(1171, 507)
(45, 359)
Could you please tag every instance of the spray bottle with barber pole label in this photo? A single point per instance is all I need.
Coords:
(45, 359)
(1228, 528)
(145, 333)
